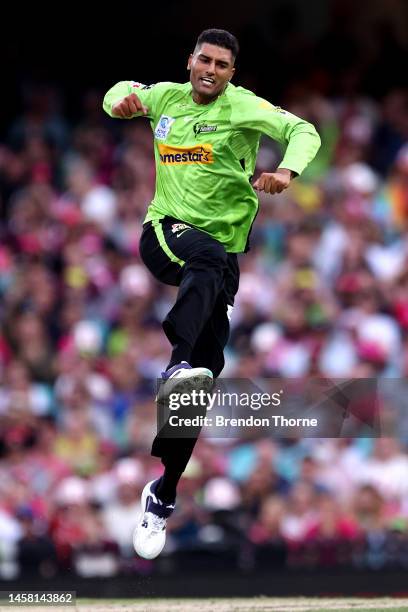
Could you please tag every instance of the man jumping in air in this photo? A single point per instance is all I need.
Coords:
(206, 139)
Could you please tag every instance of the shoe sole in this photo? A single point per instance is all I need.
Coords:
(198, 382)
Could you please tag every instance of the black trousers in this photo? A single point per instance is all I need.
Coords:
(208, 278)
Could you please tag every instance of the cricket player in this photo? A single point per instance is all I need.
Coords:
(206, 139)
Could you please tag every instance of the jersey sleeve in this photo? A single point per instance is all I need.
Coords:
(146, 94)
(300, 136)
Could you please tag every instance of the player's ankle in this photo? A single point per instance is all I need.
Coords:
(166, 488)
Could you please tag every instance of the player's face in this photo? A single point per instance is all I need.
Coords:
(211, 67)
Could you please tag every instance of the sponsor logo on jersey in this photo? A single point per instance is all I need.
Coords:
(163, 127)
(203, 128)
(197, 154)
(136, 84)
(177, 227)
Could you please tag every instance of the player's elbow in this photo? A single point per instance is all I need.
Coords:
(310, 135)
(316, 136)
(114, 94)
(308, 128)
(107, 107)
(317, 141)
(107, 103)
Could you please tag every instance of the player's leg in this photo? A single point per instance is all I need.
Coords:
(197, 265)
(201, 293)
(207, 352)
(208, 280)
(203, 266)
(209, 347)
(178, 254)
(150, 534)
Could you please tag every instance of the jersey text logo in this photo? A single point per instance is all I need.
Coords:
(198, 154)
(200, 128)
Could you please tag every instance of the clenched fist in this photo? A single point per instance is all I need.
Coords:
(273, 182)
(128, 106)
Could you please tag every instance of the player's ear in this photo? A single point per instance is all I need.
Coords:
(231, 73)
(189, 61)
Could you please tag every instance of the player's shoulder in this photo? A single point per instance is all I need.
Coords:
(243, 98)
(236, 92)
(160, 88)
(164, 86)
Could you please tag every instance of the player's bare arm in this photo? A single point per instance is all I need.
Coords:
(128, 106)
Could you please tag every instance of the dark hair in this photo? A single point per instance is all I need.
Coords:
(221, 38)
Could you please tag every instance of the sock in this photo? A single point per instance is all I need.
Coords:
(166, 487)
(181, 352)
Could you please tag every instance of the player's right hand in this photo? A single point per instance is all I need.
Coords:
(128, 106)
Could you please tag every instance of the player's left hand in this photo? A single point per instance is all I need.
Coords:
(273, 182)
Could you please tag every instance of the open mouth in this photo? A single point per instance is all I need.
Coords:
(207, 81)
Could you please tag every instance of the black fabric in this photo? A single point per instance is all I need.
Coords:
(167, 485)
(208, 282)
(182, 351)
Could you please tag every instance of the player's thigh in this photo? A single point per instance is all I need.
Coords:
(164, 266)
(187, 243)
(231, 282)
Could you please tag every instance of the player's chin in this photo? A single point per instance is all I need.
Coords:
(208, 92)
(205, 91)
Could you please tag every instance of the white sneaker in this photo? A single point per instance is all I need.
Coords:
(182, 378)
(149, 536)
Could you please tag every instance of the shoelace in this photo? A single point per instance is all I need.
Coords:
(158, 523)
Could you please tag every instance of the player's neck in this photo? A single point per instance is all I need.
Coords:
(201, 99)
(198, 99)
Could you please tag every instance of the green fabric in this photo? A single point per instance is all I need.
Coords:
(162, 241)
(205, 160)
(329, 134)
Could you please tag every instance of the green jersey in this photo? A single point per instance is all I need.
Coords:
(206, 153)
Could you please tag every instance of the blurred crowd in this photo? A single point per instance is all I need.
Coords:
(323, 292)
